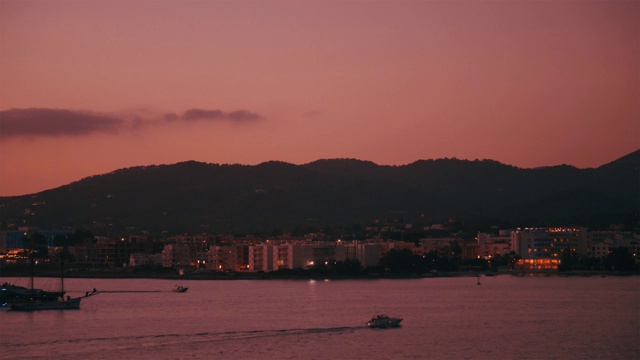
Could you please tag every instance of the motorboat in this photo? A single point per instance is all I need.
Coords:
(180, 289)
(383, 321)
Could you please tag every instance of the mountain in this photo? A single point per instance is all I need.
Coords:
(195, 197)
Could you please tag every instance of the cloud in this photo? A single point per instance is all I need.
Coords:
(36, 122)
(170, 117)
(236, 116)
(42, 122)
(243, 115)
(199, 114)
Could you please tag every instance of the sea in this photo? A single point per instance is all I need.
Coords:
(464, 317)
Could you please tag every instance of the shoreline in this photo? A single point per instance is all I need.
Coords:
(210, 275)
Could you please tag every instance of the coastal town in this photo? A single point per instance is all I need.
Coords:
(544, 250)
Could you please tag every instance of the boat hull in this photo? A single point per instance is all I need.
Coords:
(12, 293)
(71, 304)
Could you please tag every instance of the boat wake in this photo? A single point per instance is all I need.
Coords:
(130, 291)
(188, 337)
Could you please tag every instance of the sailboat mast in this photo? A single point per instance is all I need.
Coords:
(31, 268)
(61, 272)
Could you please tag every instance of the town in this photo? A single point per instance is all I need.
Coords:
(520, 250)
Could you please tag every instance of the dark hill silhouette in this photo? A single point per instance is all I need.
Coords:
(194, 197)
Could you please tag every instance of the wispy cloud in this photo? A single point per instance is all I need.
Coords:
(238, 115)
(43, 122)
(54, 122)
(199, 114)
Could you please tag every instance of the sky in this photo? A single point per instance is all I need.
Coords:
(89, 87)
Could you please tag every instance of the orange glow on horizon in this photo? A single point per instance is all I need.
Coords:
(89, 88)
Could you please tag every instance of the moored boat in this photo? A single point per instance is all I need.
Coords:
(68, 304)
(12, 293)
(59, 304)
(35, 299)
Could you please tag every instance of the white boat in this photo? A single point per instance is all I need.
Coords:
(383, 321)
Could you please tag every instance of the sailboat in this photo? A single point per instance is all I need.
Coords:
(59, 304)
(35, 299)
(13, 293)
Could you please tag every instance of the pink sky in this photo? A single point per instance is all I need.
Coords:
(88, 87)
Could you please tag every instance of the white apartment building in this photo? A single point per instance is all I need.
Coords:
(542, 248)
(261, 258)
(536, 243)
(270, 257)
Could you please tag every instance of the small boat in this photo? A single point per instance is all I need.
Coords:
(383, 321)
(180, 289)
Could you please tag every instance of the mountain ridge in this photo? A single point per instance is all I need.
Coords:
(193, 196)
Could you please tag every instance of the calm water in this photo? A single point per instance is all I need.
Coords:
(445, 318)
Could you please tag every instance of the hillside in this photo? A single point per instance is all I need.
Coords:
(196, 197)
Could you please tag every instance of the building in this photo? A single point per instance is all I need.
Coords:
(175, 256)
(542, 248)
(368, 254)
(10, 240)
(14, 239)
(491, 245)
(442, 246)
(601, 243)
(145, 259)
(261, 258)
(227, 258)
(345, 250)
(198, 247)
(323, 253)
(292, 256)
(536, 243)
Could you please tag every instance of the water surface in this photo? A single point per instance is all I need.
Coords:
(444, 318)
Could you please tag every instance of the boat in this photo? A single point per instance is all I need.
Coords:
(60, 304)
(13, 293)
(34, 299)
(383, 321)
(180, 289)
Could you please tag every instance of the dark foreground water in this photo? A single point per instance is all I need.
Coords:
(444, 318)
